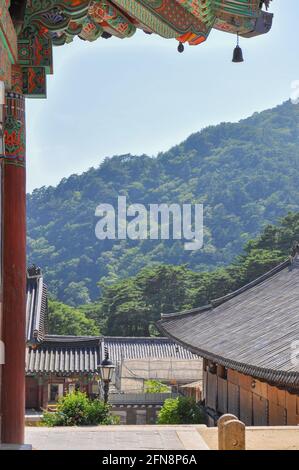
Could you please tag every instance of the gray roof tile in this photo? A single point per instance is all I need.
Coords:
(36, 307)
(251, 330)
(82, 354)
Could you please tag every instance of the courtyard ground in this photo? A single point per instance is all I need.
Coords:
(155, 438)
(116, 438)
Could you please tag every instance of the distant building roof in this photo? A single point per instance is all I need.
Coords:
(59, 354)
(253, 330)
(141, 348)
(64, 355)
(36, 306)
(82, 354)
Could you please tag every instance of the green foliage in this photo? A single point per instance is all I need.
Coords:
(76, 409)
(154, 386)
(180, 410)
(77, 293)
(246, 174)
(66, 320)
(247, 179)
(130, 307)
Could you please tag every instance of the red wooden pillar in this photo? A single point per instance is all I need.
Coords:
(14, 270)
(2, 348)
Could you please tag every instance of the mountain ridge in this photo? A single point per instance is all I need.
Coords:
(245, 173)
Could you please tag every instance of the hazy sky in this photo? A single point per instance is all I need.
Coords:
(141, 96)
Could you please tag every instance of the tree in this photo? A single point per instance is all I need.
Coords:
(76, 293)
(180, 410)
(133, 305)
(130, 307)
(66, 320)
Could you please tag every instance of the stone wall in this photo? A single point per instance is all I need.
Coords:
(136, 414)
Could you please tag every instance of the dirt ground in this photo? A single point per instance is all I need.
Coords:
(265, 438)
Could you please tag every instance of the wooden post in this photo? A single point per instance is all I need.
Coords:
(40, 386)
(14, 270)
(231, 433)
(45, 395)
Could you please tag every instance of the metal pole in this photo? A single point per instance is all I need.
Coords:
(106, 391)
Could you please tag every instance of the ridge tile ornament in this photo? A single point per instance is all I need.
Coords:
(29, 28)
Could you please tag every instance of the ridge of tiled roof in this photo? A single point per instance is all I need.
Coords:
(249, 285)
(220, 300)
(70, 339)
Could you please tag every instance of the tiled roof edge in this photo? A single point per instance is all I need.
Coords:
(135, 338)
(287, 379)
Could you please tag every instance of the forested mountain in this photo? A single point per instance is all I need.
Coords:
(246, 174)
(130, 307)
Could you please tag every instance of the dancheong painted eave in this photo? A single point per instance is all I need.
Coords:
(29, 29)
(254, 330)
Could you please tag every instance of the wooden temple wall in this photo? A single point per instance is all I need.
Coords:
(254, 402)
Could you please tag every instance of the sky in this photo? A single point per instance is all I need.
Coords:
(139, 95)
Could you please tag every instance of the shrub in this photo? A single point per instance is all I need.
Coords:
(76, 409)
(180, 410)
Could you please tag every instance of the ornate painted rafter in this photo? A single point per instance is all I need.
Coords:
(111, 18)
(36, 25)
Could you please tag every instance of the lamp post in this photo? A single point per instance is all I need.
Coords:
(106, 369)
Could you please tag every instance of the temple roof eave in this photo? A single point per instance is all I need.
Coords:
(252, 330)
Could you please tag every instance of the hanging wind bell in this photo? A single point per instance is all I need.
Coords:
(181, 47)
(238, 53)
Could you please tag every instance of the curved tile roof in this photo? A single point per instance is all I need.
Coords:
(59, 354)
(64, 357)
(82, 354)
(252, 330)
(142, 348)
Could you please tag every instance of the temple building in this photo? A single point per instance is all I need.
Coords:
(56, 365)
(28, 31)
(249, 342)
